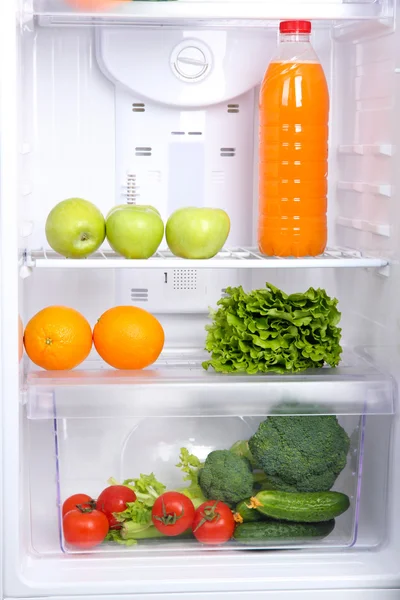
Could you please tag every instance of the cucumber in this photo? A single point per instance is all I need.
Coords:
(305, 507)
(248, 514)
(281, 531)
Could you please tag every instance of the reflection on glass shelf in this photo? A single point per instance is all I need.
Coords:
(56, 12)
(177, 385)
(228, 258)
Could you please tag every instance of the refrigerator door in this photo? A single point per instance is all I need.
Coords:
(3, 165)
(7, 190)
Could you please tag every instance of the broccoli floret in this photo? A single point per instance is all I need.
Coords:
(301, 453)
(226, 477)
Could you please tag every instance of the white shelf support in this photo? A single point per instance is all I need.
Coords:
(377, 228)
(375, 189)
(367, 149)
(235, 258)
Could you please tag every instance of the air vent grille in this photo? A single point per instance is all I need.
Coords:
(233, 108)
(198, 133)
(228, 152)
(139, 295)
(185, 279)
(131, 189)
(138, 107)
(143, 151)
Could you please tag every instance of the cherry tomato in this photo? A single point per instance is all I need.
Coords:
(213, 523)
(73, 501)
(85, 527)
(172, 513)
(114, 499)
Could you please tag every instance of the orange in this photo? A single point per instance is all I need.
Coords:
(94, 4)
(128, 337)
(58, 338)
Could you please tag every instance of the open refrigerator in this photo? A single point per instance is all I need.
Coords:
(156, 103)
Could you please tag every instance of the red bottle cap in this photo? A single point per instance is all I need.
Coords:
(295, 27)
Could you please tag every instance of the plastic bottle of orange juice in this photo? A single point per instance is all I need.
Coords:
(294, 112)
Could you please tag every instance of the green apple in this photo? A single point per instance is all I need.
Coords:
(197, 232)
(75, 228)
(138, 206)
(134, 231)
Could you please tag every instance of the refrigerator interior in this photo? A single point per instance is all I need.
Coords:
(102, 107)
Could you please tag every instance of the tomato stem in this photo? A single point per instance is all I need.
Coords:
(89, 508)
(169, 518)
(209, 514)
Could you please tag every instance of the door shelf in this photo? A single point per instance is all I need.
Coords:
(57, 12)
(230, 258)
(178, 386)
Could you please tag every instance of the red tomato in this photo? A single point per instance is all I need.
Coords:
(213, 523)
(85, 527)
(73, 501)
(172, 513)
(114, 499)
